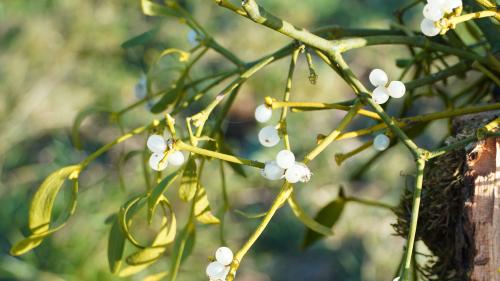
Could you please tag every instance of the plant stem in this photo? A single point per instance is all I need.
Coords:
(308, 106)
(417, 191)
(370, 203)
(285, 192)
(225, 157)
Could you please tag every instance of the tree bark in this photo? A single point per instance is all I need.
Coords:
(483, 208)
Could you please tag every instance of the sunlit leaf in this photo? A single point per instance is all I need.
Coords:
(150, 8)
(141, 39)
(155, 277)
(189, 181)
(306, 219)
(327, 216)
(116, 245)
(202, 210)
(40, 214)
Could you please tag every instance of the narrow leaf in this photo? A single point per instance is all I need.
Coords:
(189, 181)
(116, 245)
(40, 214)
(140, 39)
(306, 219)
(202, 210)
(157, 194)
(327, 216)
(183, 247)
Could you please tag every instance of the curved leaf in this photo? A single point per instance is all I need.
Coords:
(202, 210)
(327, 216)
(150, 8)
(40, 214)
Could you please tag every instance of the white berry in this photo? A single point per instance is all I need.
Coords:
(429, 28)
(396, 89)
(298, 172)
(215, 270)
(438, 3)
(285, 159)
(380, 95)
(268, 136)
(176, 158)
(432, 12)
(192, 38)
(263, 113)
(396, 279)
(141, 89)
(272, 171)
(156, 144)
(381, 142)
(449, 5)
(378, 77)
(156, 163)
(224, 255)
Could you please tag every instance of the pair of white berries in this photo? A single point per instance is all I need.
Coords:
(285, 166)
(158, 145)
(218, 270)
(381, 93)
(268, 136)
(381, 142)
(434, 11)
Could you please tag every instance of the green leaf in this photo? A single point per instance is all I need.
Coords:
(165, 236)
(75, 130)
(189, 181)
(238, 169)
(116, 245)
(202, 210)
(306, 219)
(40, 214)
(151, 8)
(156, 277)
(157, 193)
(183, 247)
(140, 39)
(327, 216)
(168, 97)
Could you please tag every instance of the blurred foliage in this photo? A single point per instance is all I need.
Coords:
(58, 57)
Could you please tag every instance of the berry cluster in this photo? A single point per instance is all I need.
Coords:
(285, 166)
(158, 146)
(381, 93)
(435, 15)
(218, 270)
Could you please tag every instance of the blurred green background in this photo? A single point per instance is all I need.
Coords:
(59, 57)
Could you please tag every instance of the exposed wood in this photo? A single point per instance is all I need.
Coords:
(483, 208)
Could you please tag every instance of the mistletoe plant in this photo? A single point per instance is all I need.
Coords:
(429, 61)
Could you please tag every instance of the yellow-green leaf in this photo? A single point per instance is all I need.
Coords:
(306, 219)
(40, 213)
(151, 8)
(202, 210)
(189, 181)
(155, 277)
(116, 245)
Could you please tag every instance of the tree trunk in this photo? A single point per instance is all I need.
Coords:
(483, 208)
